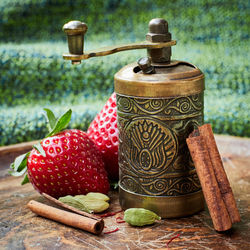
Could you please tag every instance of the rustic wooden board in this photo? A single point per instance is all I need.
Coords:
(21, 229)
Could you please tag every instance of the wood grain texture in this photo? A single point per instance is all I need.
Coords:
(21, 229)
(17, 148)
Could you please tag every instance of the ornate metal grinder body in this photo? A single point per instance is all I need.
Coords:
(159, 102)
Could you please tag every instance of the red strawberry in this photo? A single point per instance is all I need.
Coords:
(104, 132)
(73, 165)
(65, 163)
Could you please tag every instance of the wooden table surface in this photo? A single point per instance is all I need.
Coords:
(21, 229)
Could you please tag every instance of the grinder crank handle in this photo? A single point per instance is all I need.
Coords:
(75, 31)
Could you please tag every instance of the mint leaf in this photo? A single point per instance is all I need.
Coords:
(25, 180)
(51, 118)
(40, 149)
(61, 123)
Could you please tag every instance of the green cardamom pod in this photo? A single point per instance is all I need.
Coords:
(95, 205)
(88, 203)
(80, 197)
(98, 196)
(140, 216)
(76, 203)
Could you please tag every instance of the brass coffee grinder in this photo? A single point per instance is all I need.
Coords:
(159, 103)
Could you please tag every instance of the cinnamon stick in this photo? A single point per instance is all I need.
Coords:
(226, 191)
(75, 220)
(210, 188)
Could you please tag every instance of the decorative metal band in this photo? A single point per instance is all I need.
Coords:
(172, 108)
(164, 206)
(153, 156)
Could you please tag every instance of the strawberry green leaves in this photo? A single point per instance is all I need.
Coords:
(114, 185)
(20, 162)
(40, 149)
(25, 180)
(59, 124)
(56, 125)
(19, 167)
(50, 118)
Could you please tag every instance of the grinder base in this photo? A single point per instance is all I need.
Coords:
(163, 206)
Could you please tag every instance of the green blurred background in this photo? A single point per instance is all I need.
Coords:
(212, 34)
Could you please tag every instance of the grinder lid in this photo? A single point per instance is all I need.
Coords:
(177, 78)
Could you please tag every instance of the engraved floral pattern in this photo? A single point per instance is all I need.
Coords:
(151, 147)
(153, 154)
